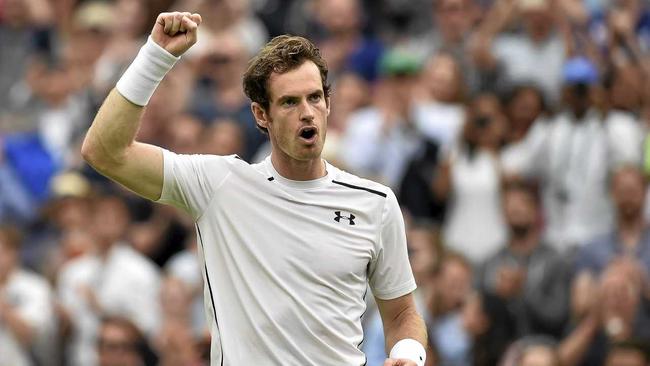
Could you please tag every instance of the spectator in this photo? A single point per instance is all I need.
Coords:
(441, 112)
(623, 87)
(381, 139)
(453, 28)
(220, 94)
(470, 179)
(631, 353)
(26, 308)
(615, 314)
(570, 157)
(114, 280)
(528, 274)
(490, 327)
(121, 343)
(630, 238)
(448, 333)
(536, 54)
(527, 111)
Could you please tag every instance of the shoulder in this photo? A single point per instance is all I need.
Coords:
(363, 186)
(78, 268)
(27, 280)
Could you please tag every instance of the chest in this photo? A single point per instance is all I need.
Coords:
(281, 233)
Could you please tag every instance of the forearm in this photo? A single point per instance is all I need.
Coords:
(407, 324)
(112, 132)
(573, 348)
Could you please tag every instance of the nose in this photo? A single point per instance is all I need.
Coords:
(306, 112)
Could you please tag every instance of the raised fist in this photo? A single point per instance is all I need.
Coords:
(176, 32)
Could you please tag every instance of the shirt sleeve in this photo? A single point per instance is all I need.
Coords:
(190, 180)
(390, 274)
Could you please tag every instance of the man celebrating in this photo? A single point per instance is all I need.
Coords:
(288, 245)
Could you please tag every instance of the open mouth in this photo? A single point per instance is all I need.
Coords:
(307, 133)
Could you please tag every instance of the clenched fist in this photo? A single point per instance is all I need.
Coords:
(176, 32)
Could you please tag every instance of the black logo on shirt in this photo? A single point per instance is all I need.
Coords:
(339, 217)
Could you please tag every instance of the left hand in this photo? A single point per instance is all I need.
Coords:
(399, 362)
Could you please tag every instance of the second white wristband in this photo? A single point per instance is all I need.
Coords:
(144, 74)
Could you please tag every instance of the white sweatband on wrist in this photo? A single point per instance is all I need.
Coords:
(141, 79)
(409, 349)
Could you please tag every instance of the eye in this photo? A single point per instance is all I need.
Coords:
(289, 102)
(315, 98)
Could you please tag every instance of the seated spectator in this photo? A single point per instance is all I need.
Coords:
(630, 353)
(26, 308)
(451, 288)
(630, 238)
(528, 274)
(380, 139)
(490, 327)
(440, 112)
(121, 343)
(615, 314)
(113, 280)
(532, 351)
(470, 180)
(539, 356)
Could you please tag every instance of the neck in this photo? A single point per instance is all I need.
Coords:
(298, 169)
(630, 230)
(525, 245)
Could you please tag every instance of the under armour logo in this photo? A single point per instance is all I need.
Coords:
(339, 217)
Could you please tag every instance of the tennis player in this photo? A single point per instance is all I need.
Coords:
(289, 245)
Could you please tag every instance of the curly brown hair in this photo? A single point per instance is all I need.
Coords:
(282, 54)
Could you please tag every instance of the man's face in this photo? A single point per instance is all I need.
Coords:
(297, 115)
(628, 193)
(117, 347)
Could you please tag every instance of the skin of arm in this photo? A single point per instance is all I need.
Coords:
(401, 320)
(17, 325)
(110, 145)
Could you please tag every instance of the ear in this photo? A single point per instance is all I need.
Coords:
(327, 103)
(260, 114)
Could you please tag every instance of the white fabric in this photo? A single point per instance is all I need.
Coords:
(440, 122)
(624, 137)
(475, 226)
(409, 349)
(31, 296)
(284, 278)
(525, 61)
(573, 159)
(141, 79)
(372, 150)
(126, 283)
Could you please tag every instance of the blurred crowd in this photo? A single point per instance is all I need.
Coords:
(514, 132)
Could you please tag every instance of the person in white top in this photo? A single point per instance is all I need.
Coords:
(287, 246)
(26, 308)
(114, 279)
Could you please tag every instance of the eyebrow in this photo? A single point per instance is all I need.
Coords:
(291, 96)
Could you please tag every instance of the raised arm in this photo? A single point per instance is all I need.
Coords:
(110, 145)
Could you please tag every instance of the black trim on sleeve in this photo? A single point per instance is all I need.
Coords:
(360, 188)
(207, 279)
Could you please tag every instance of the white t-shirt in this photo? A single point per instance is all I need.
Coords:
(126, 283)
(287, 263)
(31, 296)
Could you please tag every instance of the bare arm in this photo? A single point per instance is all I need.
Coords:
(110, 145)
(401, 320)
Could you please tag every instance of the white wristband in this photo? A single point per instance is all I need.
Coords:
(145, 73)
(409, 349)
